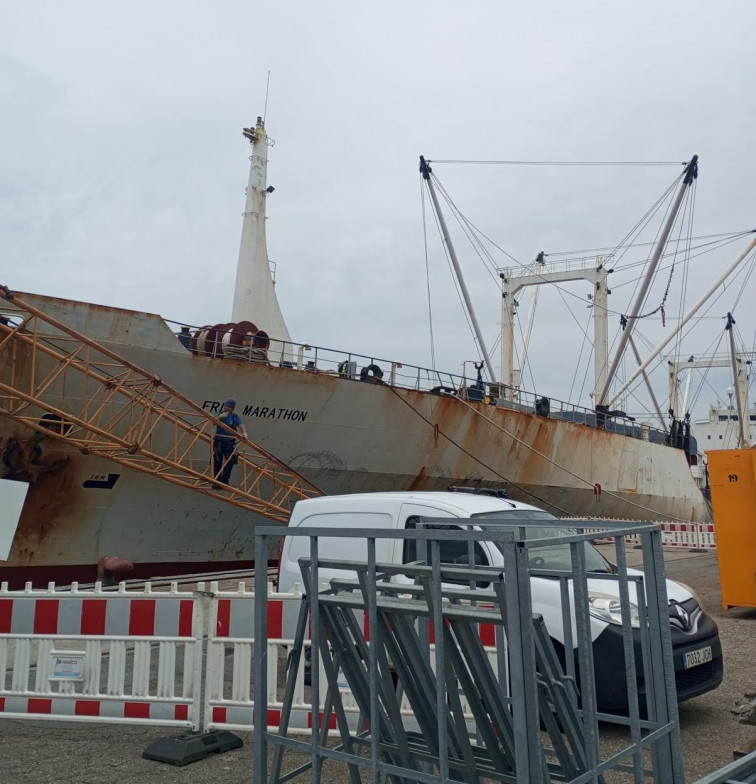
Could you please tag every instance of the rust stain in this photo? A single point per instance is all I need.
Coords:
(420, 481)
(45, 513)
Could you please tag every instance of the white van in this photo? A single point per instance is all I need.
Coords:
(695, 638)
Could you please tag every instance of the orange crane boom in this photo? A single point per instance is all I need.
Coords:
(68, 387)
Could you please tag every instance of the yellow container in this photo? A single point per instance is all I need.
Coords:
(732, 476)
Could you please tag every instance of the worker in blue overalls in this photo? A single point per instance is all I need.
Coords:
(224, 442)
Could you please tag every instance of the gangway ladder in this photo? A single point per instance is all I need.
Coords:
(65, 386)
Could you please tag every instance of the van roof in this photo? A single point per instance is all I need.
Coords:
(468, 503)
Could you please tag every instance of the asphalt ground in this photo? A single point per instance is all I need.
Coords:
(47, 752)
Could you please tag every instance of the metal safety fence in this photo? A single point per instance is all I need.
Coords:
(532, 716)
(229, 681)
(741, 771)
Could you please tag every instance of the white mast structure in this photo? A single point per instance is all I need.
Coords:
(515, 278)
(690, 174)
(739, 367)
(426, 171)
(254, 294)
(741, 388)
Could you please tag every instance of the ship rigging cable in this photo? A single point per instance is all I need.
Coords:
(474, 235)
(564, 163)
(728, 237)
(616, 252)
(522, 489)
(746, 271)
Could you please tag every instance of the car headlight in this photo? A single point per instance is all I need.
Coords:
(608, 609)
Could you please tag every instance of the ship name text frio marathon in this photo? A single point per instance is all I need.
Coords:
(261, 412)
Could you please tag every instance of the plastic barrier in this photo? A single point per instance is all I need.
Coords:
(136, 657)
(691, 536)
(706, 538)
(228, 702)
(679, 535)
(101, 655)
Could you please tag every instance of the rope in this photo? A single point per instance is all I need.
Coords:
(564, 163)
(462, 449)
(607, 248)
(535, 451)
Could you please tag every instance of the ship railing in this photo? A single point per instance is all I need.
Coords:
(350, 366)
(550, 267)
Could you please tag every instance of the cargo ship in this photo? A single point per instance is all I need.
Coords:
(344, 421)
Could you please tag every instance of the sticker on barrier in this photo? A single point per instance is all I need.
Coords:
(101, 655)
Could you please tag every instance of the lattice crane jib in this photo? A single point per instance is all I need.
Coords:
(62, 385)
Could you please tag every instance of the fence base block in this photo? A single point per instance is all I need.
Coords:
(191, 747)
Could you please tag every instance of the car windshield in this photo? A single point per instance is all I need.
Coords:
(523, 523)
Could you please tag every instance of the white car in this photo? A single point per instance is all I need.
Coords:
(695, 638)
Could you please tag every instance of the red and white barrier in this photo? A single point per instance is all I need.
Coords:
(229, 703)
(690, 536)
(61, 646)
(679, 535)
(706, 538)
(136, 657)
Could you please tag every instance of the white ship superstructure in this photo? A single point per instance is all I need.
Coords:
(721, 429)
(255, 297)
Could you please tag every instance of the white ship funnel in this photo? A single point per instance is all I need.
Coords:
(255, 295)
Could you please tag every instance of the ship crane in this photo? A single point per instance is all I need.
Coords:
(62, 385)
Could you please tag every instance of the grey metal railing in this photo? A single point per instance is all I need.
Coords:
(532, 715)
(349, 366)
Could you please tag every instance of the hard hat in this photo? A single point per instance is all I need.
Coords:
(230, 402)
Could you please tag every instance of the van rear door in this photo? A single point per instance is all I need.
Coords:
(337, 548)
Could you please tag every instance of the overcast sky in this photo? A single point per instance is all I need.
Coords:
(123, 168)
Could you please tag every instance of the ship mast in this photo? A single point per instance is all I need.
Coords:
(690, 174)
(254, 294)
(426, 171)
(741, 388)
(683, 321)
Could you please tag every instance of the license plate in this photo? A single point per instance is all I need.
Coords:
(694, 658)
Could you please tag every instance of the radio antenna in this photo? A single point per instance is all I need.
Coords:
(267, 88)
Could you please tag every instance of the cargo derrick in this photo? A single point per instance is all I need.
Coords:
(64, 386)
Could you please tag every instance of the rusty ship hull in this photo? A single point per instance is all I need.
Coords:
(340, 433)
